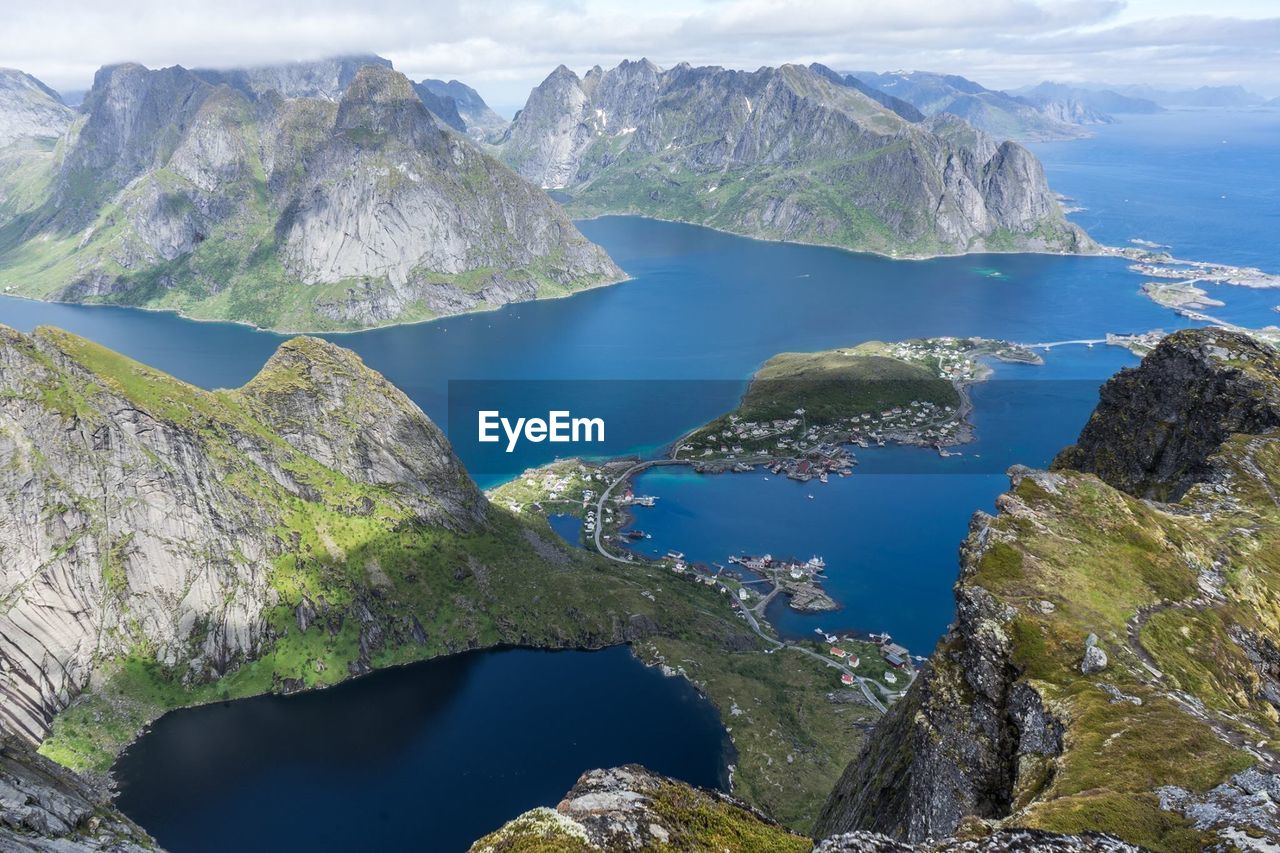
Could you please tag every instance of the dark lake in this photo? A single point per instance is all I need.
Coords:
(428, 756)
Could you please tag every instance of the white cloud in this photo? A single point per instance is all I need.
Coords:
(504, 47)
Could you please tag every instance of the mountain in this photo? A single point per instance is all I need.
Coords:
(29, 109)
(783, 153)
(1002, 115)
(326, 79)
(480, 122)
(233, 202)
(1203, 96)
(899, 106)
(1114, 662)
(1076, 99)
(146, 513)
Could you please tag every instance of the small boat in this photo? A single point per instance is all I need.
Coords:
(810, 497)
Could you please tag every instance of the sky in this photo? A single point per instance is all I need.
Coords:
(505, 47)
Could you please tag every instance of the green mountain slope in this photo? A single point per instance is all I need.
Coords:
(1113, 665)
(784, 153)
(288, 213)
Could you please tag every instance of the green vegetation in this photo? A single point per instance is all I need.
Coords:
(1097, 557)
(711, 825)
(838, 384)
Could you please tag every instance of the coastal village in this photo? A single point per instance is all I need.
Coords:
(922, 401)
(750, 582)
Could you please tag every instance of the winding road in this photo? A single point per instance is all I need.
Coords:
(773, 642)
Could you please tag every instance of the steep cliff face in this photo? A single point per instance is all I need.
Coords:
(233, 201)
(1111, 666)
(139, 511)
(787, 153)
(1156, 427)
(29, 109)
(326, 404)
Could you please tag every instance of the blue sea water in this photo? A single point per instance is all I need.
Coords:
(567, 527)
(1202, 182)
(672, 348)
(700, 306)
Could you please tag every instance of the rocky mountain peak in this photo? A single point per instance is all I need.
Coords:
(177, 552)
(324, 401)
(29, 109)
(174, 181)
(636, 139)
(134, 116)
(380, 101)
(1157, 425)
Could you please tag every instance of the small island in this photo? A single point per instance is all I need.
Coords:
(802, 410)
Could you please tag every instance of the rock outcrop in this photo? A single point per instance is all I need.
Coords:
(1156, 427)
(631, 808)
(270, 197)
(29, 109)
(786, 153)
(46, 807)
(1111, 657)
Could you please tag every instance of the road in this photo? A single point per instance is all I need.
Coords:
(751, 619)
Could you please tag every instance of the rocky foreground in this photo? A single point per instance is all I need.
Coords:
(44, 806)
(1113, 663)
(629, 808)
